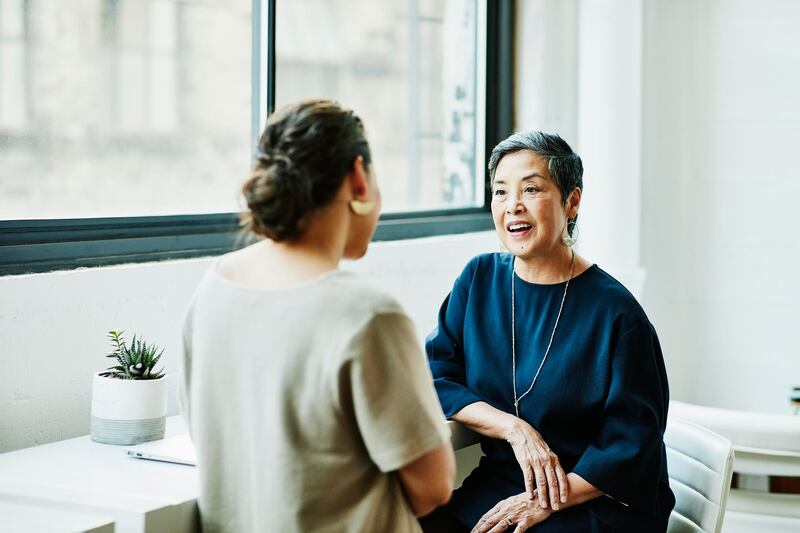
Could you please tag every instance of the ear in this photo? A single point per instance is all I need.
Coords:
(573, 202)
(358, 178)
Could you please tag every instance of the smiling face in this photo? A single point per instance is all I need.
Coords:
(528, 211)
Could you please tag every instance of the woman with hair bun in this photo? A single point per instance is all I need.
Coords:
(306, 392)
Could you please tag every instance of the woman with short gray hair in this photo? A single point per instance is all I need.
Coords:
(554, 363)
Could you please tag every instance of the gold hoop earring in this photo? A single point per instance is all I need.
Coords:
(362, 207)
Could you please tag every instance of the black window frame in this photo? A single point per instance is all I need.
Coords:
(34, 246)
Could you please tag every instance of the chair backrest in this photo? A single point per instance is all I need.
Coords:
(700, 464)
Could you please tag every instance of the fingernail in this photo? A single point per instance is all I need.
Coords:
(555, 507)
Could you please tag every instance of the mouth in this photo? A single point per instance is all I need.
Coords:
(518, 229)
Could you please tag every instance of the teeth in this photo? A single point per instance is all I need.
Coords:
(516, 227)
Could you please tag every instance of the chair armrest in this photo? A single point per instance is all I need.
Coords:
(461, 436)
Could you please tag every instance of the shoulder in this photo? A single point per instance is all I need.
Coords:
(203, 289)
(486, 265)
(355, 295)
(614, 299)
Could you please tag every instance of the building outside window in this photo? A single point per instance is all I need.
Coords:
(14, 112)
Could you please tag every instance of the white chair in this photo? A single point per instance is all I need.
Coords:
(700, 464)
(765, 445)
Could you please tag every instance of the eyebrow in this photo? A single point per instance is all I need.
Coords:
(524, 178)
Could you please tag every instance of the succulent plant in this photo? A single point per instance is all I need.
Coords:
(135, 362)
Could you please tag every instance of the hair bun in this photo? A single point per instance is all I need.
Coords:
(278, 197)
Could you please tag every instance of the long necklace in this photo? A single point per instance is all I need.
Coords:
(549, 344)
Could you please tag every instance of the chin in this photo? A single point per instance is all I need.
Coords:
(357, 253)
(519, 249)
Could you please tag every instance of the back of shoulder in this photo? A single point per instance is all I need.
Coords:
(355, 295)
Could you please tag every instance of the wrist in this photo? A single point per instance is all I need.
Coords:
(511, 428)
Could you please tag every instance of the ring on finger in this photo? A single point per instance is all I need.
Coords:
(509, 522)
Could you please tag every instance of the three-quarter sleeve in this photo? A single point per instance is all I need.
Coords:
(445, 348)
(625, 459)
(389, 389)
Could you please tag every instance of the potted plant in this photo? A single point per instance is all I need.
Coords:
(129, 399)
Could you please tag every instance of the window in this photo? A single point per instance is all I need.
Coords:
(139, 116)
(408, 68)
(141, 108)
(139, 41)
(13, 74)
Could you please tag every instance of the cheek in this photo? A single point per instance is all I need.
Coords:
(497, 211)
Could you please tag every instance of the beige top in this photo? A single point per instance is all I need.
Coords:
(301, 403)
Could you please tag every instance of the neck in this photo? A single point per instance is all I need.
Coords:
(549, 269)
(322, 244)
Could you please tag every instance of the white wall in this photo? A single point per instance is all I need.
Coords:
(687, 117)
(720, 182)
(53, 325)
(578, 74)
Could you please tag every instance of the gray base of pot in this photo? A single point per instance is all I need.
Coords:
(110, 431)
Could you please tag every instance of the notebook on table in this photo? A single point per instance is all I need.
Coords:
(178, 449)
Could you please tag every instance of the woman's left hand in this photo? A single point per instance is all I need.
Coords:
(517, 511)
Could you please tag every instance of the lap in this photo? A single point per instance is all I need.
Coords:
(576, 519)
(441, 521)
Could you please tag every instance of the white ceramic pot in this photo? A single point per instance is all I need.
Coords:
(128, 411)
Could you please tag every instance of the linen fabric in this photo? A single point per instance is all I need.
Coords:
(301, 404)
(600, 401)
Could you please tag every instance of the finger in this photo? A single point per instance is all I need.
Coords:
(501, 525)
(552, 486)
(541, 485)
(482, 526)
(491, 512)
(487, 520)
(530, 486)
(485, 525)
(563, 483)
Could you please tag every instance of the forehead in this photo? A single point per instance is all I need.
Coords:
(519, 165)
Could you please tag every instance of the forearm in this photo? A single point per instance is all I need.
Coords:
(487, 420)
(580, 491)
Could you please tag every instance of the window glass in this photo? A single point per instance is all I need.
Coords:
(123, 107)
(117, 108)
(408, 68)
(13, 51)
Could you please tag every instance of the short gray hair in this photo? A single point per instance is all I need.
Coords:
(564, 165)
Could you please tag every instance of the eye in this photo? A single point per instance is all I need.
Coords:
(530, 189)
(499, 192)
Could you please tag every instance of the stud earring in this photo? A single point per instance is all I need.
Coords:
(362, 207)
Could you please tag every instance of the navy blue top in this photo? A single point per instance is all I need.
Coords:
(600, 401)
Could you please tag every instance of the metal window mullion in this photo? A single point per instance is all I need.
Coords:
(262, 65)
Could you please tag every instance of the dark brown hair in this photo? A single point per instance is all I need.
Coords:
(302, 158)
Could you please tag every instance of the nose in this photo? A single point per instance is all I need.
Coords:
(514, 204)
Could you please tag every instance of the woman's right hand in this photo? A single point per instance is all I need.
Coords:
(541, 468)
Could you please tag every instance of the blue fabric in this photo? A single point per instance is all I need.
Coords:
(600, 402)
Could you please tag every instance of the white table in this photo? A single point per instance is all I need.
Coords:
(81, 485)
